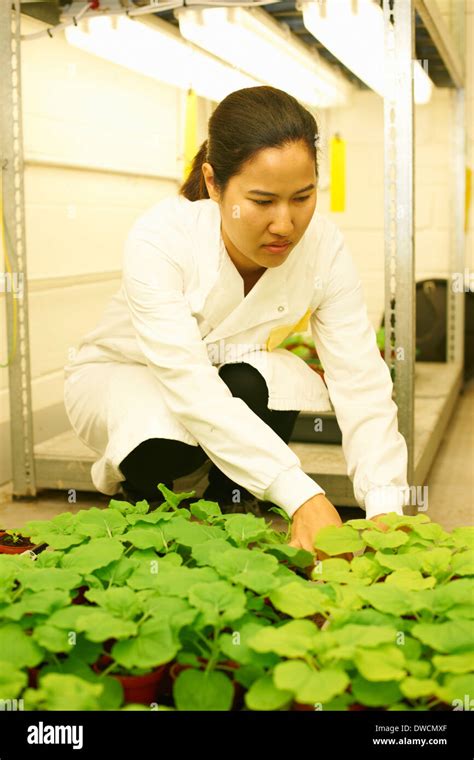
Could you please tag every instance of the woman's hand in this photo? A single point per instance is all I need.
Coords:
(307, 521)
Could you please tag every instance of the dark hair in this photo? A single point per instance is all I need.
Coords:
(245, 122)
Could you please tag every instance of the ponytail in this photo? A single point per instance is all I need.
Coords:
(194, 188)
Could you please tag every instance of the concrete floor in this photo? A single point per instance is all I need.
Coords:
(450, 482)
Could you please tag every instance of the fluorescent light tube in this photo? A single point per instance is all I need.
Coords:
(251, 40)
(150, 48)
(357, 40)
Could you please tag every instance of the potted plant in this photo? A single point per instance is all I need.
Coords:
(397, 632)
(217, 612)
(14, 542)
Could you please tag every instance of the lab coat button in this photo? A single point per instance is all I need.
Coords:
(281, 308)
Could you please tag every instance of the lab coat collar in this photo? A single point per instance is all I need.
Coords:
(266, 301)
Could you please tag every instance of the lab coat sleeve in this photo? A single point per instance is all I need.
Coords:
(360, 388)
(244, 447)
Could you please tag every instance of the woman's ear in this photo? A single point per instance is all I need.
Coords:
(208, 173)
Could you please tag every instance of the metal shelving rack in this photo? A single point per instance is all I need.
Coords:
(425, 402)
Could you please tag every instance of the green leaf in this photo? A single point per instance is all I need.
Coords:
(362, 524)
(435, 562)
(68, 617)
(414, 688)
(209, 552)
(39, 579)
(418, 669)
(298, 600)
(245, 529)
(41, 602)
(309, 685)
(454, 663)
(431, 532)
(365, 568)
(101, 625)
(455, 593)
(463, 537)
(389, 540)
(364, 635)
(338, 540)
(168, 579)
(172, 499)
(218, 601)
(391, 599)
(154, 645)
(99, 523)
(188, 533)
(410, 579)
(456, 636)
(58, 533)
(198, 690)
(335, 570)
(157, 517)
(264, 695)
(296, 557)
(400, 561)
(204, 509)
(111, 696)
(384, 664)
(17, 648)
(463, 563)
(237, 649)
(122, 602)
(125, 508)
(48, 559)
(64, 692)
(455, 689)
(251, 568)
(375, 693)
(118, 571)
(366, 617)
(96, 553)
(167, 609)
(52, 638)
(293, 639)
(395, 521)
(150, 537)
(12, 681)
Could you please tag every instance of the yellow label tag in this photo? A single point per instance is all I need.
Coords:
(337, 157)
(278, 334)
(190, 132)
(468, 197)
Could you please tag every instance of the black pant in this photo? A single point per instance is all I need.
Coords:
(162, 460)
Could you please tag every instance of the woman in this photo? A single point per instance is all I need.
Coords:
(185, 363)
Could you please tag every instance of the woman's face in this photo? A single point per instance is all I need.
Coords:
(280, 212)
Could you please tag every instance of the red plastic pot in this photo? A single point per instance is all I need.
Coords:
(137, 689)
(21, 546)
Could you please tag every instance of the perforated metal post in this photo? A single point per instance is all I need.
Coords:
(400, 338)
(456, 282)
(14, 266)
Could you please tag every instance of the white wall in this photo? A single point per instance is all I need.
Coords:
(361, 126)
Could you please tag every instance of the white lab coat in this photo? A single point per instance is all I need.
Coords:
(150, 367)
